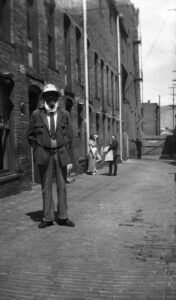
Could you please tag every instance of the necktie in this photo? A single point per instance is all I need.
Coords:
(52, 126)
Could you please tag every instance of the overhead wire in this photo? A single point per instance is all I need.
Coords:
(158, 35)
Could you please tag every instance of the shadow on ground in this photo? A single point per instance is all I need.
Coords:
(36, 216)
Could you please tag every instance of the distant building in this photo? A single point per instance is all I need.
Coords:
(150, 118)
(167, 117)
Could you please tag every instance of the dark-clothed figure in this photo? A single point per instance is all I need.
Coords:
(114, 147)
(138, 147)
(50, 136)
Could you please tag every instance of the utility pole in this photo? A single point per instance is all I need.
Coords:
(173, 106)
(159, 129)
(86, 72)
(173, 87)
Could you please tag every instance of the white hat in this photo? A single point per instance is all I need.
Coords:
(50, 88)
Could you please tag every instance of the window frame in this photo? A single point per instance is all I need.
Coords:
(6, 126)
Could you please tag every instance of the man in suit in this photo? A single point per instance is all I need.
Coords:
(138, 147)
(114, 147)
(50, 136)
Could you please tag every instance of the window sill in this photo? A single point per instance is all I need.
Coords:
(32, 73)
(82, 159)
(4, 125)
(8, 43)
(52, 68)
(80, 83)
(8, 177)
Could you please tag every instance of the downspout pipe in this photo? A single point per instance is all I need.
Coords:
(119, 86)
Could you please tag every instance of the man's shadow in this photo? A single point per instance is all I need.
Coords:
(36, 216)
(104, 174)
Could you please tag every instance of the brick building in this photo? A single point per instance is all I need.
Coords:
(131, 76)
(167, 117)
(42, 41)
(150, 118)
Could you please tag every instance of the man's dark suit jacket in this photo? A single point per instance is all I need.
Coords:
(114, 148)
(39, 136)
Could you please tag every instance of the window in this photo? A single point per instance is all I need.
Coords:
(32, 39)
(107, 84)
(89, 69)
(100, 5)
(112, 90)
(102, 83)
(111, 19)
(80, 118)
(109, 126)
(5, 20)
(116, 94)
(124, 81)
(101, 8)
(51, 36)
(5, 130)
(96, 74)
(67, 52)
(97, 123)
(78, 55)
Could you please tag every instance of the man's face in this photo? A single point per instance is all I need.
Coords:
(51, 99)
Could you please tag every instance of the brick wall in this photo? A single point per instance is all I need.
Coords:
(13, 58)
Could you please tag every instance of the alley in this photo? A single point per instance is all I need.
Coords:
(122, 247)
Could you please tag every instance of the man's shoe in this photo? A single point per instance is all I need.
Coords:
(65, 222)
(44, 224)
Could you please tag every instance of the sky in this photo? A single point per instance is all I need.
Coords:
(158, 50)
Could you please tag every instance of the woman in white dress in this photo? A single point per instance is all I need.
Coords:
(92, 156)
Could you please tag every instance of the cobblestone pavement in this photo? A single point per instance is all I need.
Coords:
(122, 247)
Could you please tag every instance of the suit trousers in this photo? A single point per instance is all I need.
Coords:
(111, 164)
(46, 174)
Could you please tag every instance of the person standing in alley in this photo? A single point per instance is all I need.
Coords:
(92, 156)
(113, 163)
(50, 136)
(138, 147)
